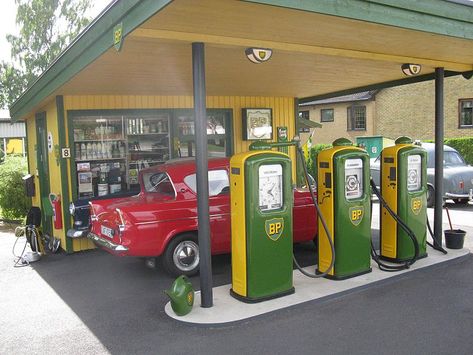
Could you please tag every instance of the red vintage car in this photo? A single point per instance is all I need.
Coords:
(162, 219)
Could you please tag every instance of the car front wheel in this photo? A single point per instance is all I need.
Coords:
(182, 255)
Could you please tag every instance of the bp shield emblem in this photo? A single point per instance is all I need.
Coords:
(118, 36)
(356, 214)
(416, 205)
(274, 228)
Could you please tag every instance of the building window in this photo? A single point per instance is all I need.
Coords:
(326, 115)
(466, 113)
(304, 114)
(356, 118)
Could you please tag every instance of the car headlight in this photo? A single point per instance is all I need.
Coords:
(72, 208)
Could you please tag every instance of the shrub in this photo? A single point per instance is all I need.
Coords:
(463, 145)
(13, 201)
(311, 163)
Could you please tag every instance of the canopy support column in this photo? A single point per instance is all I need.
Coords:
(200, 114)
(439, 137)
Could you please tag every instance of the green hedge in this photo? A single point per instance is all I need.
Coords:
(463, 145)
(311, 163)
(13, 201)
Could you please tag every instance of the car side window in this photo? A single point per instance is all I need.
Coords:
(218, 182)
(158, 182)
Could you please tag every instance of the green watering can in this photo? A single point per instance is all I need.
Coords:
(181, 294)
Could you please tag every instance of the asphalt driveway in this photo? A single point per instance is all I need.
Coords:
(95, 303)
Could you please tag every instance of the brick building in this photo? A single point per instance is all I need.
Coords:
(393, 112)
(410, 109)
(347, 116)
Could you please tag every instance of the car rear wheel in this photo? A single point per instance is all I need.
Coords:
(182, 255)
(461, 201)
(430, 196)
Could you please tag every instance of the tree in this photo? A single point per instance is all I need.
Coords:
(46, 28)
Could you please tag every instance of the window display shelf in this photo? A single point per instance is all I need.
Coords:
(100, 140)
(99, 159)
(147, 134)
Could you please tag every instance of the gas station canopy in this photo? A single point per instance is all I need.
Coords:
(319, 48)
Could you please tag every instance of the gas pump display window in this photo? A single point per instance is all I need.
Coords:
(270, 187)
(353, 178)
(414, 164)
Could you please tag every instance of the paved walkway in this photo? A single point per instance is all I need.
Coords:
(227, 309)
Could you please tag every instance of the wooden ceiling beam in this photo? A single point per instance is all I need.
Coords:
(296, 48)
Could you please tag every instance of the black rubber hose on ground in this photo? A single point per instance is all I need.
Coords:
(405, 227)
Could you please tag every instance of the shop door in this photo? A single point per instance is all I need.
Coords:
(43, 171)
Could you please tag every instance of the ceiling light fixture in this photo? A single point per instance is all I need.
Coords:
(258, 55)
(410, 69)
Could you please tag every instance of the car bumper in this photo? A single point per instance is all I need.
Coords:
(74, 233)
(107, 244)
(468, 195)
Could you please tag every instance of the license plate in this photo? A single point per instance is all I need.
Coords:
(107, 231)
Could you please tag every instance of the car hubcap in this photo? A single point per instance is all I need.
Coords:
(186, 256)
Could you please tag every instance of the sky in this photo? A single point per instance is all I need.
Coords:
(8, 26)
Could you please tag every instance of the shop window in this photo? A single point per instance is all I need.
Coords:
(466, 113)
(110, 149)
(356, 118)
(218, 134)
(326, 115)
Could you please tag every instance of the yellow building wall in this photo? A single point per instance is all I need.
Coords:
(15, 146)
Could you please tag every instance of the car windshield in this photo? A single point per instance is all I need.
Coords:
(158, 182)
(452, 159)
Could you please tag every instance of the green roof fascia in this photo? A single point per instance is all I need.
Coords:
(434, 16)
(384, 85)
(88, 46)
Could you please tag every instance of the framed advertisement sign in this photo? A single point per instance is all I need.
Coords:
(257, 123)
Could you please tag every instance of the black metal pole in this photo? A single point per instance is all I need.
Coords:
(201, 160)
(439, 136)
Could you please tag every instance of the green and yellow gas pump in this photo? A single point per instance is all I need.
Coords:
(261, 215)
(344, 199)
(403, 173)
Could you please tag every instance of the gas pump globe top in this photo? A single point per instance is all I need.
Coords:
(404, 188)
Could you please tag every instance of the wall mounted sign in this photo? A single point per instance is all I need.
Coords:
(66, 153)
(50, 142)
(118, 36)
(257, 123)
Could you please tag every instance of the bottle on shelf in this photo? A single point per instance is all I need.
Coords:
(99, 151)
(83, 151)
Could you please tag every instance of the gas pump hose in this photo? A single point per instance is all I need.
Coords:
(405, 227)
(433, 246)
(322, 219)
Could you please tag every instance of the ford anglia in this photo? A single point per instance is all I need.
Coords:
(161, 220)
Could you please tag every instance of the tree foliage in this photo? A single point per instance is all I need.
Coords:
(46, 28)
(13, 201)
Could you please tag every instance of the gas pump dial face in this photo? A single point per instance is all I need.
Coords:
(270, 187)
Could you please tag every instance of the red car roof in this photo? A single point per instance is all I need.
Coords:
(179, 168)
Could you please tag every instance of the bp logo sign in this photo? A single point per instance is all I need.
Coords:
(356, 214)
(274, 228)
(416, 205)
